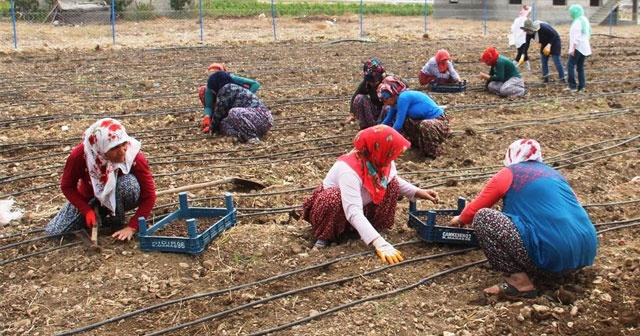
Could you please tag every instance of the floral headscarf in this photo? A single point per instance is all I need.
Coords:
(373, 70)
(577, 13)
(390, 86)
(490, 56)
(216, 67)
(442, 56)
(522, 150)
(98, 139)
(374, 150)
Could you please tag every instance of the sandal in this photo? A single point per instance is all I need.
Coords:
(508, 290)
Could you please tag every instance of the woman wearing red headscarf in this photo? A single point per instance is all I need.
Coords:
(438, 69)
(360, 192)
(503, 78)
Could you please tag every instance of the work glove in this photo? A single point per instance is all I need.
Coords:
(206, 124)
(521, 60)
(386, 251)
(90, 219)
(547, 50)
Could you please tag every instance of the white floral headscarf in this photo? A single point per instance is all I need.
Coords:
(99, 138)
(522, 150)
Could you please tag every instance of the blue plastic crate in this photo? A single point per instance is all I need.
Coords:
(448, 87)
(424, 221)
(194, 243)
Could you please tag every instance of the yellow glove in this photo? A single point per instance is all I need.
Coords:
(547, 50)
(387, 252)
(521, 60)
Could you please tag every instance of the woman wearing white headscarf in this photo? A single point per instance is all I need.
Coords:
(579, 48)
(542, 228)
(108, 172)
(518, 37)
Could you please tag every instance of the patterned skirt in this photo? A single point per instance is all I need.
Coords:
(246, 123)
(427, 135)
(367, 113)
(323, 209)
(69, 218)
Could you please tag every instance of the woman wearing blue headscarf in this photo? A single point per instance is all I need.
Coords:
(579, 47)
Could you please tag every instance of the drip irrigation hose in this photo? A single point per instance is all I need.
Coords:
(8, 261)
(21, 234)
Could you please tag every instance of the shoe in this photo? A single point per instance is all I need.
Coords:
(527, 65)
(509, 291)
(562, 80)
(545, 79)
(569, 89)
(525, 93)
(321, 243)
(253, 141)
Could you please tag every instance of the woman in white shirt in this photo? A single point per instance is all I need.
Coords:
(518, 37)
(360, 192)
(579, 47)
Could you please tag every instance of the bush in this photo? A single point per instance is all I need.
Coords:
(120, 5)
(178, 4)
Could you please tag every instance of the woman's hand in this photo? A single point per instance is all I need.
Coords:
(455, 222)
(484, 76)
(429, 194)
(124, 234)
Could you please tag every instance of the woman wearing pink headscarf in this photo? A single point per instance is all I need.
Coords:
(542, 228)
(438, 69)
(360, 193)
(518, 37)
(106, 172)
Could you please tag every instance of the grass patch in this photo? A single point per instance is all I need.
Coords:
(242, 8)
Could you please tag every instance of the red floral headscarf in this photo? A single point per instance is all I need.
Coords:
(99, 138)
(490, 56)
(374, 150)
(442, 56)
(522, 150)
(391, 84)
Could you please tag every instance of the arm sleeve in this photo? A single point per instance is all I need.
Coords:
(452, 71)
(209, 102)
(250, 84)
(350, 186)
(407, 189)
(391, 113)
(498, 75)
(142, 172)
(495, 189)
(71, 175)
(402, 107)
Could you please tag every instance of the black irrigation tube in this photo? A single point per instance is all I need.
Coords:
(21, 234)
(4, 262)
(256, 283)
(22, 242)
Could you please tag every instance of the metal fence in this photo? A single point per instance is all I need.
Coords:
(30, 28)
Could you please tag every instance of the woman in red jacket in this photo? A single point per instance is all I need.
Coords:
(108, 173)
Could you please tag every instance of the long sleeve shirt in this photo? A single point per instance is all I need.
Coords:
(77, 188)
(431, 68)
(556, 231)
(355, 196)
(578, 40)
(546, 35)
(503, 70)
(416, 105)
(369, 90)
(210, 97)
(518, 36)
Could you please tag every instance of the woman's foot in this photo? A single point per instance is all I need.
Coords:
(515, 285)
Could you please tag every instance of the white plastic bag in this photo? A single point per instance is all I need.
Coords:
(6, 214)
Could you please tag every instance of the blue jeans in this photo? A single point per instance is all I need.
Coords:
(545, 65)
(576, 61)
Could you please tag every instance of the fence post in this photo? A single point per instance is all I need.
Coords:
(533, 11)
(13, 21)
(361, 13)
(201, 24)
(113, 21)
(273, 20)
(485, 17)
(611, 20)
(426, 13)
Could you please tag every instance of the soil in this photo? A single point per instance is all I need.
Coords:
(262, 275)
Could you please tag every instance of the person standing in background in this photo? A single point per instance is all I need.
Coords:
(579, 48)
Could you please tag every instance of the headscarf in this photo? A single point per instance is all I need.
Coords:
(522, 150)
(577, 13)
(217, 80)
(99, 138)
(391, 85)
(374, 150)
(524, 12)
(373, 70)
(442, 56)
(216, 67)
(490, 56)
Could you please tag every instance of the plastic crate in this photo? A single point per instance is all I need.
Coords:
(194, 243)
(424, 221)
(448, 87)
